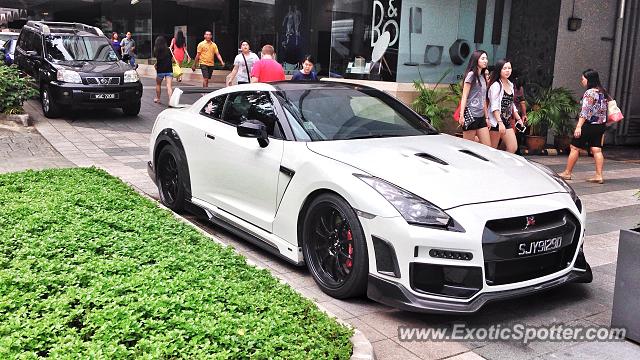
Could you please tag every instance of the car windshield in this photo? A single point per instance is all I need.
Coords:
(343, 114)
(79, 48)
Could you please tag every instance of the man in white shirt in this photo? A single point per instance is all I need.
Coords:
(242, 65)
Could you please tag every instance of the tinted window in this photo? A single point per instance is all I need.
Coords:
(340, 114)
(252, 106)
(214, 107)
(85, 48)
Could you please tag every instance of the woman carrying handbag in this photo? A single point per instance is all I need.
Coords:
(591, 126)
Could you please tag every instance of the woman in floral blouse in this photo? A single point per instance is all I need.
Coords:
(591, 125)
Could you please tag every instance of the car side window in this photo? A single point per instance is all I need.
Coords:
(252, 106)
(213, 108)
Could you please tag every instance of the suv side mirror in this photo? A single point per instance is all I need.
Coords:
(254, 129)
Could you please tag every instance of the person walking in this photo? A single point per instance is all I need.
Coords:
(521, 106)
(163, 66)
(267, 69)
(592, 123)
(501, 107)
(242, 65)
(307, 73)
(128, 47)
(115, 43)
(206, 54)
(179, 49)
(473, 104)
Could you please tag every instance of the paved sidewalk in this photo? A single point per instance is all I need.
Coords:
(118, 144)
(24, 148)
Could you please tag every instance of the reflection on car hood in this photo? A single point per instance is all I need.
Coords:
(442, 169)
(104, 68)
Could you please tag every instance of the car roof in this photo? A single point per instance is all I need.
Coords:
(317, 85)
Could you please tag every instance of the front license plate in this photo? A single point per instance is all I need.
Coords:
(104, 96)
(539, 246)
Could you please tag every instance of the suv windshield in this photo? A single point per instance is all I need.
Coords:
(343, 114)
(81, 48)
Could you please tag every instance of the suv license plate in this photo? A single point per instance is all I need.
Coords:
(104, 96)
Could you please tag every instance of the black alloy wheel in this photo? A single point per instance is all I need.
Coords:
(334, 247)
(169, 180)
(49, 107)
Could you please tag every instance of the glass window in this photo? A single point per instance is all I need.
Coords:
(252, 106)
(340, 114)
(84, 48)
(214, 107)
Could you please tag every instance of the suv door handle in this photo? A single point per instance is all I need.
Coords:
(211, 136)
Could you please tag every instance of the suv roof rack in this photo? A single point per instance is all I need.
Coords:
(45, 27)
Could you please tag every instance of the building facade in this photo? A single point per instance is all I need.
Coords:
(548, 41)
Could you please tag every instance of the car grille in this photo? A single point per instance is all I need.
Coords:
(501, 239)
(103, 80)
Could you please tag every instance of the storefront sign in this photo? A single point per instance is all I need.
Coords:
(386, 17)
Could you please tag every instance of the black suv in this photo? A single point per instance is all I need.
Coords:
(74, 65)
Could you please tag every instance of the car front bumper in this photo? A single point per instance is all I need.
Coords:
(432, 270)
(79, 95)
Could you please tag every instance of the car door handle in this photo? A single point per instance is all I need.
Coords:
(211, 136)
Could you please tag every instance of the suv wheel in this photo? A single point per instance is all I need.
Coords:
(132, 109)
(49, 106)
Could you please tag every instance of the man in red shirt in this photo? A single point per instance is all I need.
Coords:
(267, 69)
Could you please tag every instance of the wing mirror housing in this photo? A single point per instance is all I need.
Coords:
(254, 129)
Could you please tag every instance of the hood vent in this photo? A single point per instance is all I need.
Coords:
(469, 152)
(431, 158)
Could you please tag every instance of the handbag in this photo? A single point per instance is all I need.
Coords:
(468, 118)
(456, 114)
(613, 112)
(175, 67)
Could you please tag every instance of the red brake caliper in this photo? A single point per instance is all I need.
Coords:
(349, 262)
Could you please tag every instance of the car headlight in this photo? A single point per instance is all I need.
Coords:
(68, 76)
(413, 209)
(560, 181)
(131, 76)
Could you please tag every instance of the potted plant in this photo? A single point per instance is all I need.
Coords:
(432, 102)
(553, 108)
(14, 90)
(627, 287)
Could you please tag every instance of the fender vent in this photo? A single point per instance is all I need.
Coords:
(469, 152)
(431, 158)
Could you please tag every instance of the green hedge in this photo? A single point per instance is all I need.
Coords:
(90, 269)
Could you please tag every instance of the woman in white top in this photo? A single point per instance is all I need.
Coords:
(501, 107)
(242, 65)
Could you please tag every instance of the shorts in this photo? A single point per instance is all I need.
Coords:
(161, 76)
(207, 71)
(507, 125)
(242, 82)
(478, 123)
(591, 136)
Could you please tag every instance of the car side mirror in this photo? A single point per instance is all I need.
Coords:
(254, 129)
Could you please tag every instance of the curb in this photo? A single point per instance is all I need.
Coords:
(362, 347)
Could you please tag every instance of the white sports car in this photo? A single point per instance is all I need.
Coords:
(350, 181)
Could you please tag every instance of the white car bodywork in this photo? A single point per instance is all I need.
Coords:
(252, 187)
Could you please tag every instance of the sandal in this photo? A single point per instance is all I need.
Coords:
(565, 176)
(156, 100)
(596, 180)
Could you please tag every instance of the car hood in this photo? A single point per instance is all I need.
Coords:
(445, 170)
(91, 67)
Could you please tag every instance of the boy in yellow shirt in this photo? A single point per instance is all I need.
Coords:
(206, 53)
